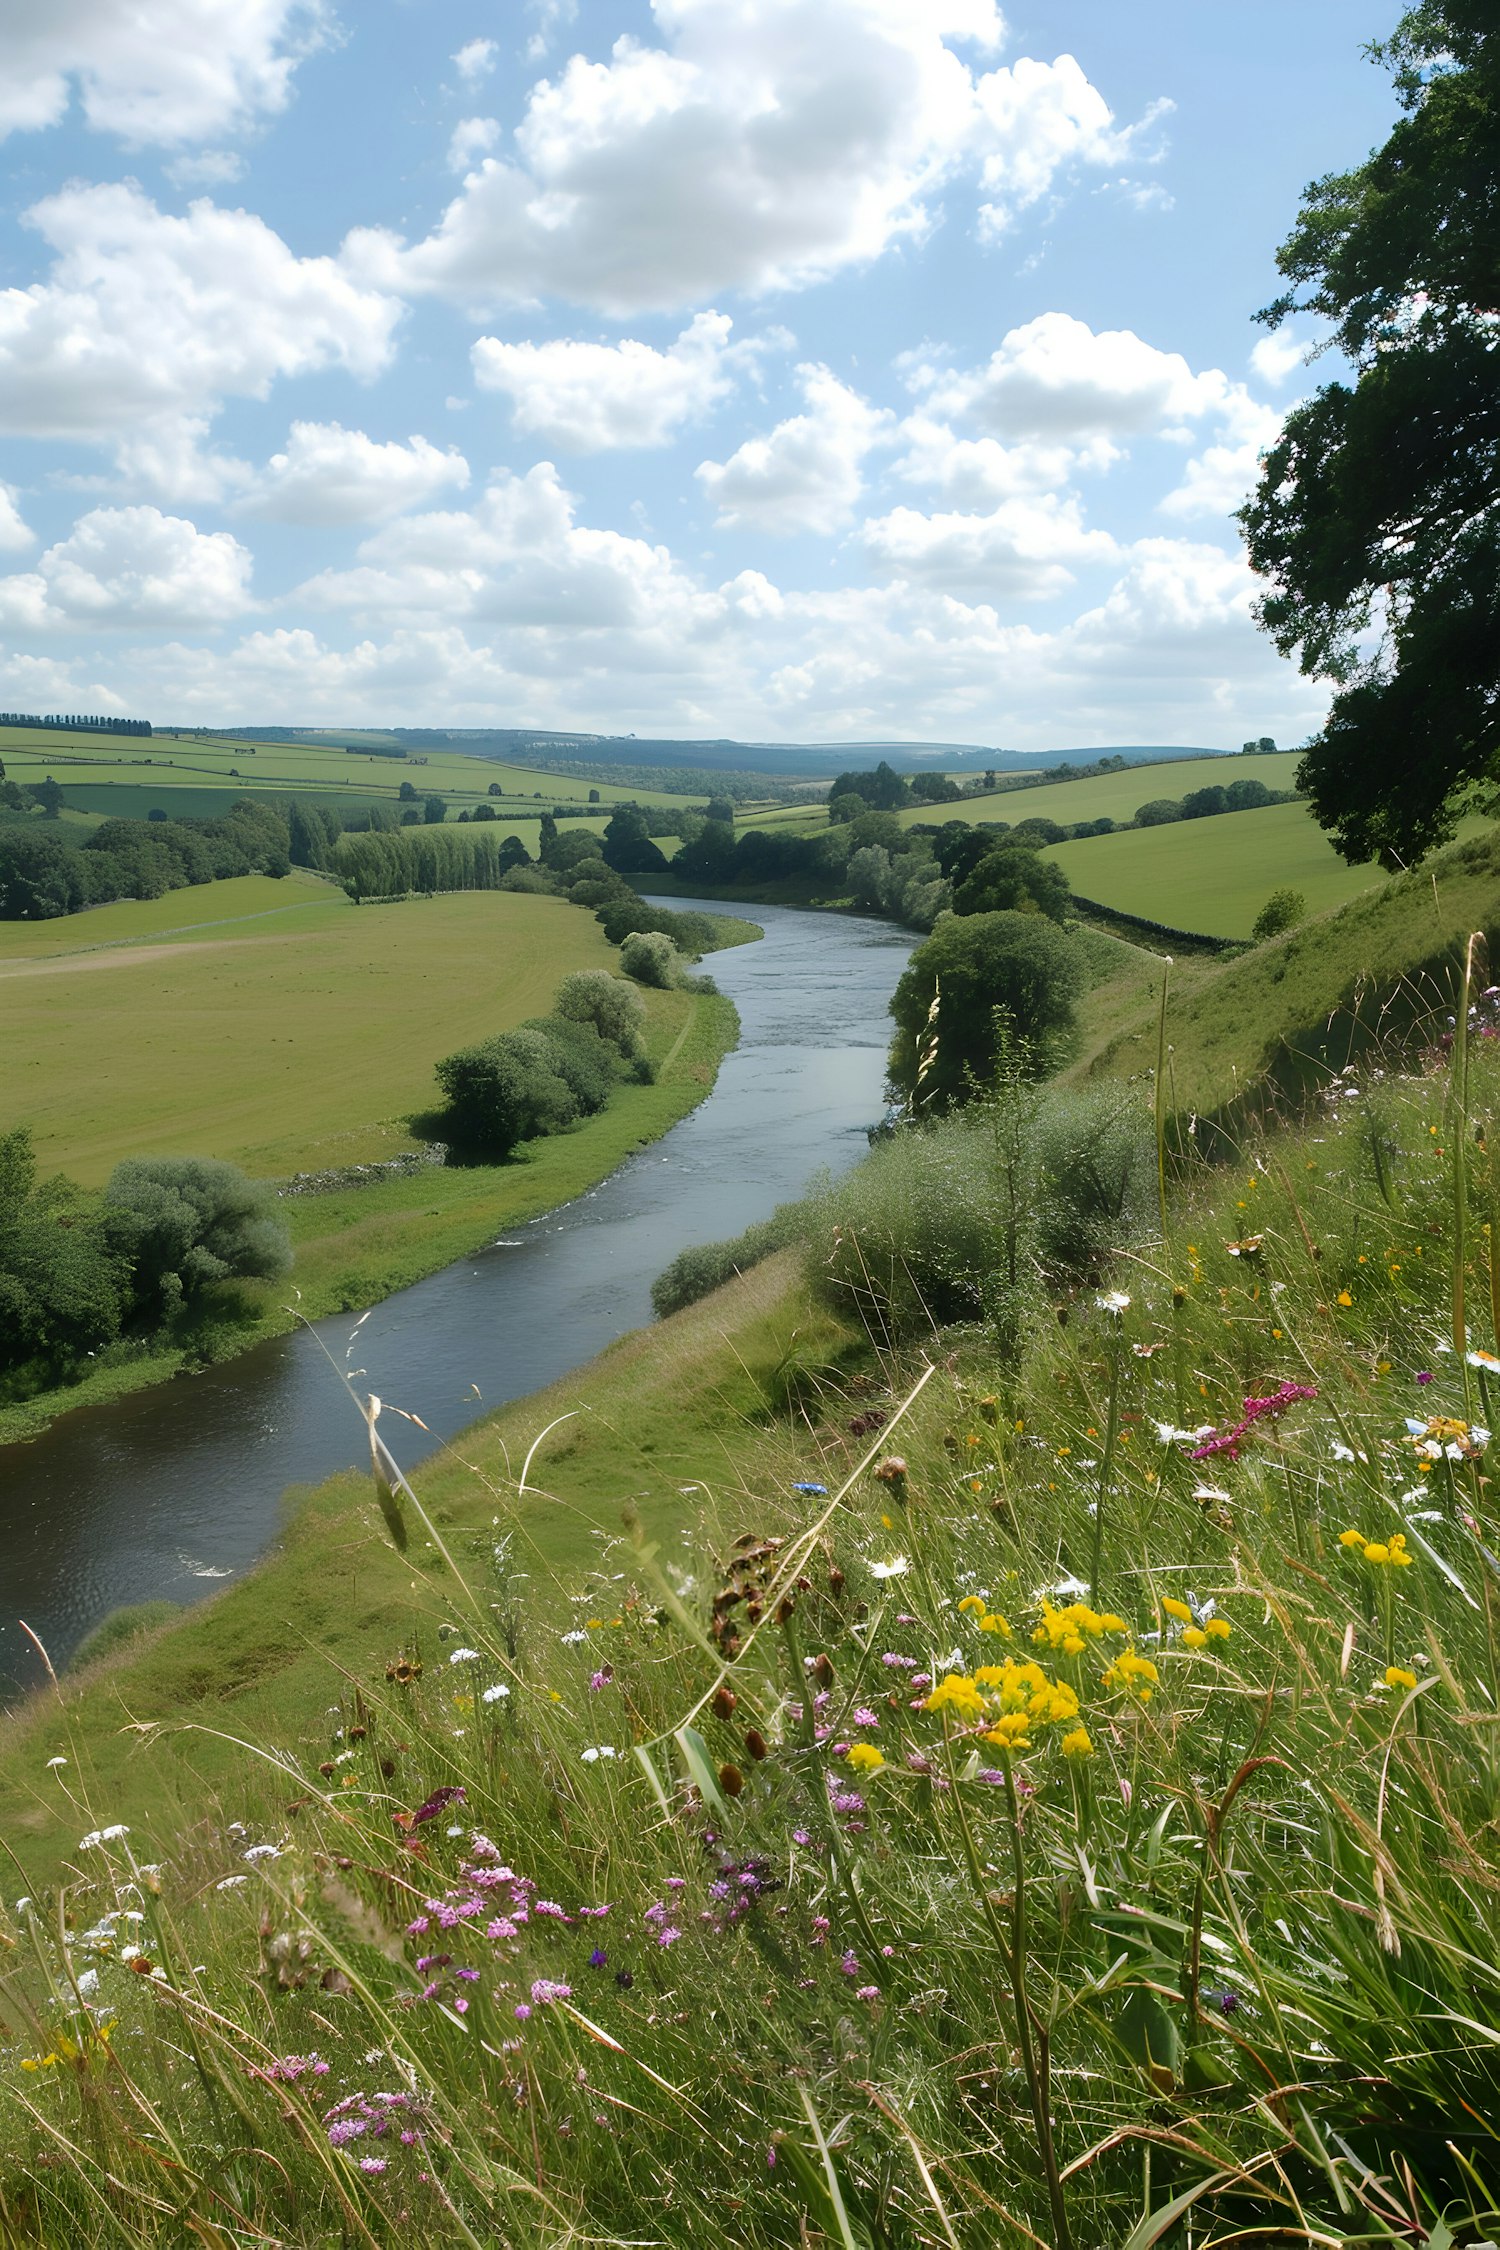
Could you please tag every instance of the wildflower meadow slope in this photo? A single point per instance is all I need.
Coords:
(1046, 1795)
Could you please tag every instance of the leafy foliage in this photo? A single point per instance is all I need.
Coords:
(979, 980)
(185, 1221)
(1377, 515)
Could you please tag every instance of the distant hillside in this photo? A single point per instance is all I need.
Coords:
(800, 760)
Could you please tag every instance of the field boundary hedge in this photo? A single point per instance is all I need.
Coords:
(1199, 938)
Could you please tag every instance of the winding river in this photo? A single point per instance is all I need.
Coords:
(170, 1491)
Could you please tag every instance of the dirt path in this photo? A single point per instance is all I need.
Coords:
(128, 956)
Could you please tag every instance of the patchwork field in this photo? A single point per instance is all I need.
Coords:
(272, 1023)
(208, 769)
(1213, 875)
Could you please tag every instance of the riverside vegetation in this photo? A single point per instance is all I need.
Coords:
(243, 1041)
(983, 1735)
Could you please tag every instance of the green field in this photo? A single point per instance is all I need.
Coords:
(1112, 796)
(1213, 875)
(297, 1035)
(92, 767)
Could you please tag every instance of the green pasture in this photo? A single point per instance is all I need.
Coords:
(90, 764)
(1213, 875)
(281, 1041)
(130, 921)
(1110, 796)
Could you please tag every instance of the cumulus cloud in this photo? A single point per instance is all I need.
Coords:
(1057, 378)
(978, 471)
(471, 137)
(330, 475)
(158, 71)
(1217, 480)
(590, 397)
(15, 533)
(147, 320)
(130, 567)
(1276, 355)
(760, 144)
(806, 473)
(214, 167)
(1025, 549)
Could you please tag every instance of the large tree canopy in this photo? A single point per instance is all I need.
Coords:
(1377, 515)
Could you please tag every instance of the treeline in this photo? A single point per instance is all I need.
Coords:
(75, 724)
(881, 790)
(43, 874)
(82, 1273)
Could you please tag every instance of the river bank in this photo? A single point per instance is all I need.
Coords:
(166, 1494)
(355, 1246)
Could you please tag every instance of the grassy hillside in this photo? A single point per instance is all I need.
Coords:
(1213, 875)
(1115, 796)
(1319, 992)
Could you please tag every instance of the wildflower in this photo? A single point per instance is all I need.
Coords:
(598, 1959)
(545, 1991)
(495, 1694)
(260, 1851)
(868, 1992)
(464, 1656)
(1113, 1301)
(372, 2164)
(1077, 1744)
(601, 1678)
(1177, 1609)
(1137, 1675)
(1351, 1539)
(820, 1491)
(956, 1693)
(1227, 2002)
(1396, 1675)
(1194, 1637)
(1426, 1377)
(850, 1963)
(54, 1763)
(668, 1936)
(1217, 1628)
(896, 1568)
(1344, 1297)
(864, 1757)
(972, 1605)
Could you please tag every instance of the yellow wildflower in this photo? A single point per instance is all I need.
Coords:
(1345, 1298)
(1396, 1675)
(971, 1602)
(1077, 1744)
(1195, 1637)
(1009, 1732)
(1179, 1610)
(958, 1694)
(1217, 1628)
(1351, 1538)
(991, 1624)
(1136, 1674)
(864, 1757)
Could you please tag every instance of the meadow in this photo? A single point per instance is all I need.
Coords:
(1116, 796)
(1001, 1785)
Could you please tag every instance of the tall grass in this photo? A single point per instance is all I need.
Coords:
(854, 1872)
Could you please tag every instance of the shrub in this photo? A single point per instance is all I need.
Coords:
(1096, 1177)
(706, 1266)
(1013, 880)
(991, 975)
(503, 1091)
(186, 1221)
(1283, 910)
(651, 958)
(587, 1065)
(612, 1006)
(1159, 812)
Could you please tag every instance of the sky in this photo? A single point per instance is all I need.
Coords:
(793, 370)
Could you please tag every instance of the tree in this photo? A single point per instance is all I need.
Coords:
(1377, 514)
(504, 1091)
(612, 1006)
(1011, 880)
(49, 796)
(40, 877)
(480, 812)
(978, 980)
(1283, 910)
(408, 792)
(434, 811)
(845, 805)
(63, 1288)
(933, 789)
(1159, 812)
(182, 1222)
(593, 796)
(628, 848)
(1205, 804)
(494, 790)
(651, 958)
(1244, 796)
(1259, 747)
(720, 809)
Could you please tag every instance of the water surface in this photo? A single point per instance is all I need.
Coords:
(171, 1490)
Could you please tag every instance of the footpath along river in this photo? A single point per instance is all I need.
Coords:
(170, 1491)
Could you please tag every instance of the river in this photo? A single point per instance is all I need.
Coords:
(170, 1491)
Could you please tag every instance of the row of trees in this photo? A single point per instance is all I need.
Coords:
(79, 1272)
(44, 874)
(75, 724)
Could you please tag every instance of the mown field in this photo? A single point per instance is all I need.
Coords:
(1213, 875)
(92, 767)
(297, 1034)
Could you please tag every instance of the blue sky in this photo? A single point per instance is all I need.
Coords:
(791, 369)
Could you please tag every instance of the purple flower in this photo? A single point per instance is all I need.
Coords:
(522, 2012)
(545, 1991)
(602, 1677)
(866, 1718)
(598, 1959)
(800, 1836)
(372, 2163)
(1426, 1378)
(668, 1936)
(868, 1992)
(850, 1963)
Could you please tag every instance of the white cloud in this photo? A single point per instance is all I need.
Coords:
(804, 475)
(15, 533)
(157, 71)
(551, 15)
(1025, 549)
(148, 320)
(476, 59)
(1276, 355)
(1057, 378)
(471, 137)
(330, 475)
(130, 567)
(590, 397)
(762, 144)
(1039, 120)
(978, 471)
